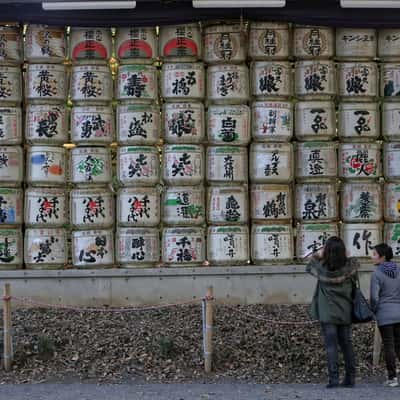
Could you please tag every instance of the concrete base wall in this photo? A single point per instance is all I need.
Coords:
(287, 284)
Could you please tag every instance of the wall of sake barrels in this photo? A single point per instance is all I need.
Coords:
(230, 143)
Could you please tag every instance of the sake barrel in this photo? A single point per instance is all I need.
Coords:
(391, 161)
(11, 45)
(10, 85)
(138, 166)
(183, 165)
(268, 40)
(356, 43)
(311, 237)
(227, 164)
(45, 248)
(183, 205)
(90, 166)
(46, 124)
(391, 209)
(228, 245)
(228, 84)
(272, 121)
(93, 248)
(316, 161)
(315, 120)
(271, 79)
(46, 207)
(361, 202)
(229, 124)
(137, 83)
(227, 205)
(90, 45)
(45, 43)
(11, 165)
(270, 202)
(92, 125)
(360, 239)
(180, 42)
(183, 81)
(271, 163)
(138, 124)
(136, 45)
(390, 81)
(91, 83)
(311, 42)
(225, 43)
(315, 79)
(391, 236)
(11, 206)
(138, 206)
(137, 247)
(46, 83)
(359, 121)
(10, 125)
(184, 122)
(183, 246)
(389, 44)
(11, 249)
(391, 121)
(316, 202)
(358, 80)
(92, 208)
(271, 244)
(359, 160)
(46, 165)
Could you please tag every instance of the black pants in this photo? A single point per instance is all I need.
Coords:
(335, 335)
(391, 345)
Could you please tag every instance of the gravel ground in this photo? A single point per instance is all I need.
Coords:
(165, 346)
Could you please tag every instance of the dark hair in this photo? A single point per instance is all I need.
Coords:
(384, 250)
(334, 256)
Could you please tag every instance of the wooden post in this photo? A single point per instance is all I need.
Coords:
(7, 340)
(208, 345)
(376, 355)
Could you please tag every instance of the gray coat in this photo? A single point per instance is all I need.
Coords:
(385, 297)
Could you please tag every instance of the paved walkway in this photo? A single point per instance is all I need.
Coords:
(193, 392)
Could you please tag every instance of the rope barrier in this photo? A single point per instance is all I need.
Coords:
(25, 300)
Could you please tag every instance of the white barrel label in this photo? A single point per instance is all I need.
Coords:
(46, 164)
(45, 207)
(137, 82)
(11, 165)
(360, 239)
(11, 44)
(92, 124)
(390, 80)
(136, 43)
(11, 208)
(271, 79)
(391, 121)
(93, 248)
(359, 160)
(271, 243)
(90, 44)
(91, 208)
(358, 80)
(229, 124)
(138, 165)
(138, 246)
(138, 124)
(91, 83)
(355, 43)
(313, 42)
(10, 84)
(227, 204)
(46, 82)
(10, 125)
(392, 238)
(392, 202)
(11, 248)
(46, 124)
(272, 121)
(391, 161)
(271, 202)
(184, 122)
(138, 207)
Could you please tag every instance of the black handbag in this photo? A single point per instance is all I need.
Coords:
(361, 311)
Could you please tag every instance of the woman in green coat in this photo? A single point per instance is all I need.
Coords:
(332, 305)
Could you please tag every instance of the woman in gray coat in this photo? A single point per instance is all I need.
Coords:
(385, 302)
